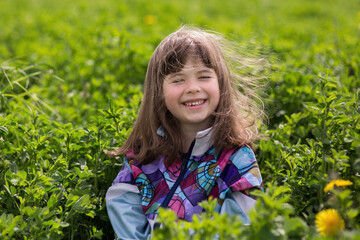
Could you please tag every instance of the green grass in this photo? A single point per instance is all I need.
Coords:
(71, 82)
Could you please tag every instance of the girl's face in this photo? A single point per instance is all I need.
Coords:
(192, 94)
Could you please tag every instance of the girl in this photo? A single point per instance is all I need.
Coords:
(191, 138)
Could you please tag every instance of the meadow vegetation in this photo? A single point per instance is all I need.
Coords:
(71, 75)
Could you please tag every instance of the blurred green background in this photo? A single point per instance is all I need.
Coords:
(101, 45)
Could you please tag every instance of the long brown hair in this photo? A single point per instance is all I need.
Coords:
(236, 118)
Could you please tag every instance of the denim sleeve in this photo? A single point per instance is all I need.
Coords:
(123, 203)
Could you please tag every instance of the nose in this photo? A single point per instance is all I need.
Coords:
(192, 85)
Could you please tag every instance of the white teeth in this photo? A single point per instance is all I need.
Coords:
(194, 103)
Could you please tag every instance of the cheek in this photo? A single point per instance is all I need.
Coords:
(216, 93)
(171, 98)
(217, 101)
(218, 97)
(171, 101)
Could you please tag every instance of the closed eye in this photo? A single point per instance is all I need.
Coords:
(204, 77)
(177, 80)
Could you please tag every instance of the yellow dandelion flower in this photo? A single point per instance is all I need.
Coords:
(149, 19)
(329, 222)
(338, 183)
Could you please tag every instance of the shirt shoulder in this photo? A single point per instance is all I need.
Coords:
(125, 174)
(241, 171)
(243, 158)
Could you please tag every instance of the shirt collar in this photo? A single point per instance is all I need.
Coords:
(203, 140)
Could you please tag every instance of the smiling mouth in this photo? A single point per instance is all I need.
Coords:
(196, 103)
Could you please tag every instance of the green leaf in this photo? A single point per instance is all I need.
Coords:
(3, 129)
(52, 201)
(294, 227)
